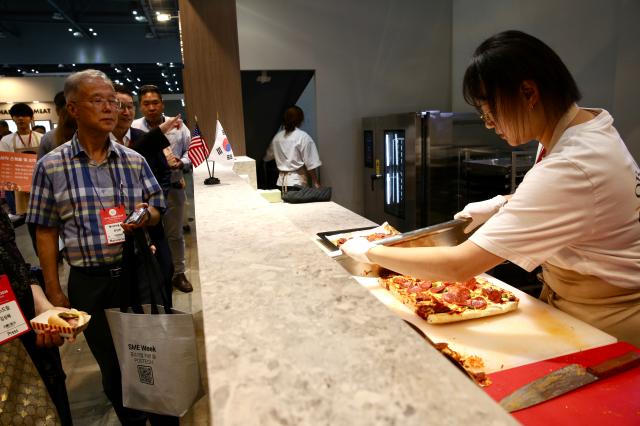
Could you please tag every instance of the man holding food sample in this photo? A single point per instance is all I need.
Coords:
(83, 192)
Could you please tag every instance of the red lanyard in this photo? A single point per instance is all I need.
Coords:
(28, 144)
(543, 152)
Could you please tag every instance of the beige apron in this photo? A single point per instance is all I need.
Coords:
(22, 197)
(614, 310)
(302, 171)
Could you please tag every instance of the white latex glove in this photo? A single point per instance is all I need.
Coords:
(480, 211)
(357, 249)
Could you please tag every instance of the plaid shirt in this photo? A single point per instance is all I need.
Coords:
(69, 190)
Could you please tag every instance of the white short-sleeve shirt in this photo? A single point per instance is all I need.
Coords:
(13, 141)
(293, 151)
(578, 209)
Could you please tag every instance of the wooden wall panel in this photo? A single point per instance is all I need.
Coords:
(212, 85)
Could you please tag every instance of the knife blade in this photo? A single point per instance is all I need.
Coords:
(565, 380)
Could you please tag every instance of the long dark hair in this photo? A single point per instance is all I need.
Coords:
(293, 117)
(502, 62)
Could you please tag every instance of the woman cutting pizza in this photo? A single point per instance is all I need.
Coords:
(576, 212)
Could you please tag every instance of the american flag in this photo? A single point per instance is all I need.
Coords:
(198, 151)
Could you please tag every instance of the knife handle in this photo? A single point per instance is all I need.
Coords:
(615, 365)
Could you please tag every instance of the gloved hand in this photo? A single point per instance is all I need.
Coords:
(357, 249)
(480, 211)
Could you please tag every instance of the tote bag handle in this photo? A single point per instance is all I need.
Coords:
(153, 275)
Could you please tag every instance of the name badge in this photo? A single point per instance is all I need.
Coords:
(12, 320)
(111, 219)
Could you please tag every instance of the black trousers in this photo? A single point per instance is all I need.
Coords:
(93, 292)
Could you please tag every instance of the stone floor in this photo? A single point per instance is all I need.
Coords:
(89, 405)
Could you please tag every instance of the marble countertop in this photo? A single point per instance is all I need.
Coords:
(292, 339)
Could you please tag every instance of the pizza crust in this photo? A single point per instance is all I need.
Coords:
(468, 314)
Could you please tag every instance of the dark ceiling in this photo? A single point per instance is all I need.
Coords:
(93, 20)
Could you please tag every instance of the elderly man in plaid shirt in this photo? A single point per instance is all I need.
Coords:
(83, 192)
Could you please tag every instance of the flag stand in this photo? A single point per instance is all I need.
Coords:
(211, 180)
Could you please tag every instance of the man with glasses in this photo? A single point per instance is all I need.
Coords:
(83, 191)
(152, 108)
(150, 145)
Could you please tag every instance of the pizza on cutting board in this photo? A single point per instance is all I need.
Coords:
(440, 302)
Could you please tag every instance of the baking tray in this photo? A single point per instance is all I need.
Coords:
(449, 233)
(324, 236)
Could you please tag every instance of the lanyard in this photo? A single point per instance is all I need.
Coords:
(26, 145)
(87, 175)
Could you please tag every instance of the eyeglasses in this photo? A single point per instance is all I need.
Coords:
(99, 103)
(124, 106)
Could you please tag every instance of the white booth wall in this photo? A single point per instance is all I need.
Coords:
(375, 57)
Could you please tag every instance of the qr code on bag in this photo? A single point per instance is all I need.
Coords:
(145, 373)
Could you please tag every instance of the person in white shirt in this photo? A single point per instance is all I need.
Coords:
(152, 108)
(577, 210)
(24, 140)
(295, 152)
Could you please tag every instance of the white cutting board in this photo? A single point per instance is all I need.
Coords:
(533, 332)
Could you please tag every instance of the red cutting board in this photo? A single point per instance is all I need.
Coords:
(611, 401)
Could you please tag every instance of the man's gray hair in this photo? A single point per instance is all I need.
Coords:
(73, 82)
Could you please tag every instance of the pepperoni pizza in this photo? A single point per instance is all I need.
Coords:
(443, 301)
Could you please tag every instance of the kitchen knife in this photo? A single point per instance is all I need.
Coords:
(565, 380)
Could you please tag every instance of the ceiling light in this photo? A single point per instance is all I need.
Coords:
(140, 18)
(95, 34)
(91, 29)
(163, 17)
(60, 66)
(73, 65)
(171, 64)
(137, 79)
(77, 34)
(19, 70)
(128, 69)
(57, 16)
(37, 72)
(135, 12)
(170, 89)
(136, 86)
(32, 70)
(128, 79)
(163, 74)
(117, 81)
(117, 70)
(134, 92)
(70, 29)
(175, 82)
